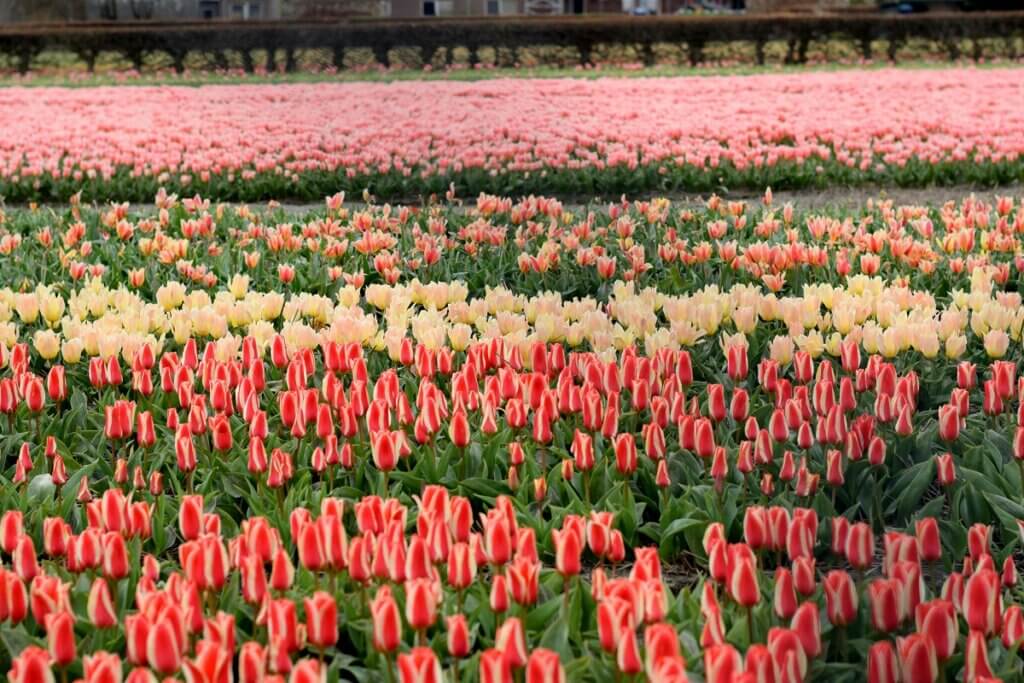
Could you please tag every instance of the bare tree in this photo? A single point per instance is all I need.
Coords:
(142, 9)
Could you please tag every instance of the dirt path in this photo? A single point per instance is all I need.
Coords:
(836, 198)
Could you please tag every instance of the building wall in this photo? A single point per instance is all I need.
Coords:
(182, 9)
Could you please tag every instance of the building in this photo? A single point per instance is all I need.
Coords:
(115, 10)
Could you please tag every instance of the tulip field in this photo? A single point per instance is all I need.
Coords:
(505, 440)
(408, 139)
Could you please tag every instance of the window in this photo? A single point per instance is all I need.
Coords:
(209, 9)
(494, 6)
(429, 8)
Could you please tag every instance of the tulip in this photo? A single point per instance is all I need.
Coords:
(60, 637)
(420, 604)
(946, 472)
(100, 607)
(949, 422)
(494, 667)
(885, 596)
(625, 454)
(982, 602)
(883, 666)
(743, 583)
(928, 539)
(568, 550)
(101, 667)
(32, 665)
(458, 636)
(840, 597)
(917, 659)
(321, 620)
(162, 647)
(1013, 628)
(860, 545)
(420, 665)
(511, 640)
(627, 657)
(976, 666)
(721, 664)
(937, 620)
(544, 666)
(387, 626)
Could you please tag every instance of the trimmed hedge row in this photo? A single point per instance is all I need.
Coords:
(135, 41)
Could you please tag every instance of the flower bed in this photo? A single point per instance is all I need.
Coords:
(745, 441)
(514, 136)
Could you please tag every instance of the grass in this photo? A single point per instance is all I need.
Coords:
(79, 79)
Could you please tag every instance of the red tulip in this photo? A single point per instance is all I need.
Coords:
(982, 602)
(162, 647)
(101, 667)
(458, 636)
(625, 454)
(498, 599)
(494, 668)
(387, 625)
(32, 665)
(568, 551)
(420, 665)
(660, 642)
(946, 471)
(736, 362)
(57, 384)
(627, 657)
(252, 663)
(23, 560)
(60, 637)
(35, 394)
(883, 666)
(784, 601)
(978, 539)
(220, 433)
(787, 654)
(755, 527)
(840, 598)
(704, 437)
(743, 582)
(803, 575)
(721, 664)
(458, 429)
(976, 666)
(303, 671)
(116, 562)
(949, 422)
(544, 666)
(11, 529)
(321, 620)
(937, 620)
(885, 596)
(511, 640)
(1009, 574)
(928, 539)
(860, 545)
(212, 664)
(420, 603)
(917, 659)
(716, 402)
(1013, 628)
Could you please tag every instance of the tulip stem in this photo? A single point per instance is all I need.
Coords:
(586, 488)
(455, 671)
(750, 625)
(390, 668)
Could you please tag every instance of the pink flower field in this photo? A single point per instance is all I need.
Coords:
(912, 127)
